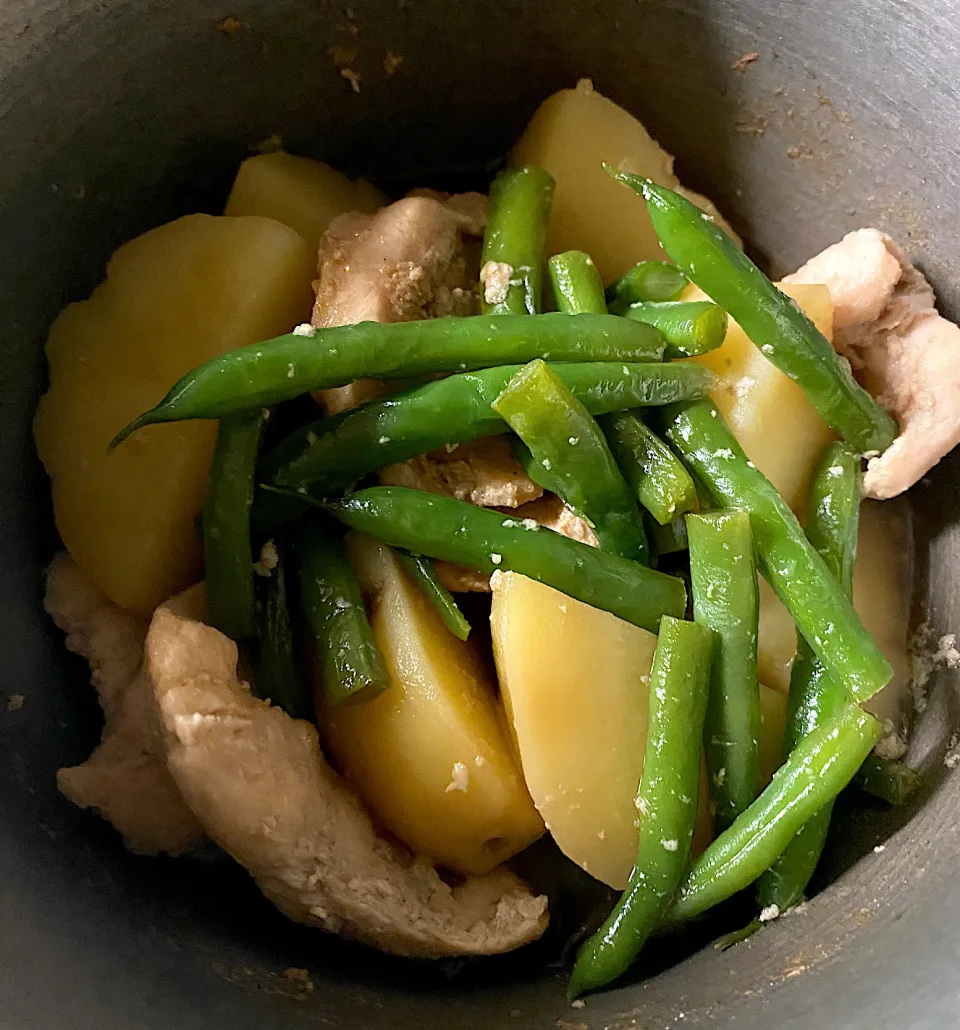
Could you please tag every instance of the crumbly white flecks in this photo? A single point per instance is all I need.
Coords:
(459, 778)
(269, 559)
(495, 277)
(305, 329)
(770, 912)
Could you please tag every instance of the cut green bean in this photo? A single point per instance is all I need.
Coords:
(577, 288)
(817, 770)
(800, 577)
(266, 373)
(659, 480)
(771, 320)
(423, 573)
(646, 281)
(667, 802)
(892, 782)
(488, 541)
(227, 554)
(668, 539)
(566, 440)
(723, 574)
(351, 666)
(518, 214)
(689, 327)
(815, 694)
(333, 453)
(277, 674)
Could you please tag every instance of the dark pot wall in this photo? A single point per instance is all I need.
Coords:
(116, 116)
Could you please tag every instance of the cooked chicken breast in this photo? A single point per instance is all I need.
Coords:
(902, 350)
(126, 778)
(257, 781)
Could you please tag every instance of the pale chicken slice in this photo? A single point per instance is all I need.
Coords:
(257, 781)
(903, 351)
(125, 779)
(413, 259)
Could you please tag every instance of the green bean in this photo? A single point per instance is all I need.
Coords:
(564, 438)
(227, 556)
(892, 782)
(667, 802)
(517, 217)
(773, 321)
(352, 668)
(277, 674)
(800, 577)
(332, 453)
(277, 370)
(662, 485)
(815, 694)
(817, 770)
(723, 575)
(423, 573)
(689, 327)
(487, 541)
(668, 539)
(646, 281)
(577, 288)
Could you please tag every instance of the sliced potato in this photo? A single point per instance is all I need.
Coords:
(574, 683)
(766, 410)
(431, 756)
(303, 194)
(776, 640)
(173, 298)
(773, 723)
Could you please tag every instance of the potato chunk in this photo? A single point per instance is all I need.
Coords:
(173, 298)
(574, 683)
(571, 134)
(431, 756)
(304, 194)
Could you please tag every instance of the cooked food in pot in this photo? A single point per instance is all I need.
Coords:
(299, 453)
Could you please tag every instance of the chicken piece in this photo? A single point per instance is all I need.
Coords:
(257, 781)
(126, 778)
(483, 472)
(904, 352)
(411, 260)
(550, 512)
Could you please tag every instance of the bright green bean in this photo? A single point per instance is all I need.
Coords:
(577, 288)
(667, 802)
(689, 327)
(646, 281)
(423, 573)
(892, 782)
(773, 321)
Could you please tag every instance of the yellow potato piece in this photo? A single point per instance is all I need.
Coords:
(773, 723)
(304, 194)
(574, 683)
(431, 756)
(768, 413)
(776, 640)
(173, 298)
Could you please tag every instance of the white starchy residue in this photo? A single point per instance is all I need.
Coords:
(926, 659)
(642, 806)
(479, 761)
(459, 778)
(670, 845)
(291, 370)
(573, 440)
(495, 277)
(602, 835)
(496, 558)
(269, 559)
(892, 747)
(770, 912)
(767, 348)
(342, 602)
(383, 440)
(720, 776)
(305, 329)
(879, 849)
(578, 1003)
(952, 758)
(547, 464)
(450, 447)
(529, 523)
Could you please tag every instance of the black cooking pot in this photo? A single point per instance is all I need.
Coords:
(117, 115)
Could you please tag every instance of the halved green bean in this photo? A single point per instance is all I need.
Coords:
(352, 667)
(892, 782)
(773, 321)
(662, 485)
(421, 570)
(277, 673)
(817, 770)
(667, 802)
(668, 539)
(227, 554)
(487, 541)
(723, 574)
(689, 327)
(800, 577)
(565, 439)
(266, 373)
(815, 694)
(577, 288)
(517, 217)
(332, 453)
(646, 281)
